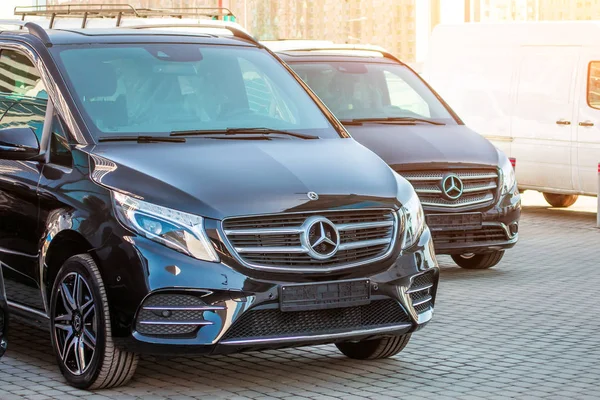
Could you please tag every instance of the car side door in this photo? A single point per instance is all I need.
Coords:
(23, 101)
(543, 127)
(588, 120)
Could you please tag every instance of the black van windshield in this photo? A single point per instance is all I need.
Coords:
(359, 90)
(157, 89)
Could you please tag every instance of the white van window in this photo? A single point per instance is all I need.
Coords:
(593, 89)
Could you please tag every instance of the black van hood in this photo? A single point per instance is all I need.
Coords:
(220, 178)
(403, 145)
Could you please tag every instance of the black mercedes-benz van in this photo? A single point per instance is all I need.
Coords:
(467, 187)
(173, 193)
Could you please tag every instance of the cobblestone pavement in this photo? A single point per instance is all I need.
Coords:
(528, 328)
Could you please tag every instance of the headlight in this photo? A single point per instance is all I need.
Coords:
(507, 173)
(178, 230)
(414, 220)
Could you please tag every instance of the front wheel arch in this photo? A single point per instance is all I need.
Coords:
(63, 246)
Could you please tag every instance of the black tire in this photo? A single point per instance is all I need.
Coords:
(478, 261)
(560, 200)
(80, 320)
(374, 349)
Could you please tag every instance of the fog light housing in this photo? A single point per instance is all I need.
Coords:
(513, 228)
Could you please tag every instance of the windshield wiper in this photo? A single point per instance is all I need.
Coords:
(141, 139)
(387, 120)
(243, 131)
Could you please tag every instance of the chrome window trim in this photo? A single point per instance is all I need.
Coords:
(310, 269)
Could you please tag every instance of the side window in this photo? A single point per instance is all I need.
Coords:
(60, 152)
(593, 86)
(22, 93)
(263, 97)
(403, 96)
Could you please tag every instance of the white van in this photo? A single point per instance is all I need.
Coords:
(533, 89)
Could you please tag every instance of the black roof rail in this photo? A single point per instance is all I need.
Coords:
(118, 11)
(33, 28)
(238, 33)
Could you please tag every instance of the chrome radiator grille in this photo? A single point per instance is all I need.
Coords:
(285, 240)
(479, 187)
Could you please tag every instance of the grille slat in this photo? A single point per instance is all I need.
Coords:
(421, 292)
(275, 323)
(275, 240)
(185, 315)
(486, 234)
(480, 187)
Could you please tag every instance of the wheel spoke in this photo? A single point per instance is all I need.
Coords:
(84, 308)
(62, 318)
(67, 298)
(68, 345)
(64, 327)
(80, 355)
(77, 292)
(89, 339)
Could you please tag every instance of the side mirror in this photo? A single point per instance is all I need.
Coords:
(18, 144)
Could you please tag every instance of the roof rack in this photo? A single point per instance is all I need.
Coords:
(118, 11)
(216, 17)
(33, 28)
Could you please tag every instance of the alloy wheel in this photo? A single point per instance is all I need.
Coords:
(75, 323)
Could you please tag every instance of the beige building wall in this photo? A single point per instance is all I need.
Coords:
(554, 10)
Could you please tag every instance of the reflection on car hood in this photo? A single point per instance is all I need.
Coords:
(221, 178)
(401, 145)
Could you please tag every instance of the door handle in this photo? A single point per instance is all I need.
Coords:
(563, 122)
(586, 123)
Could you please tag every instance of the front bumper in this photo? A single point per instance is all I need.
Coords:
(216, 308)
(499, 229)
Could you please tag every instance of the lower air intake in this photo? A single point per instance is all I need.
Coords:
(274, 323)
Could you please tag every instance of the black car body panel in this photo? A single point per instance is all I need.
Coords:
(272, 179)
(422, 144)
(61, 204)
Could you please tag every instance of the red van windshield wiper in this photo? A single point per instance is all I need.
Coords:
(391, 120)
(243, 131)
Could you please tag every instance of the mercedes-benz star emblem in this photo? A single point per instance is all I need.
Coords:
(312, 196)
(452, 186)
(321, 237)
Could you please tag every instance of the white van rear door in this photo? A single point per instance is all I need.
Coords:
(543, 127)
(588, 121)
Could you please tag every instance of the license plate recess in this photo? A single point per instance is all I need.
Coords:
(324, 295)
